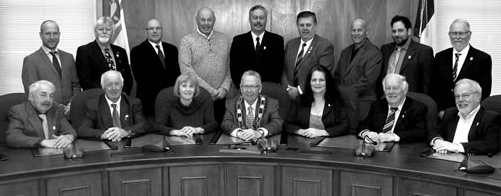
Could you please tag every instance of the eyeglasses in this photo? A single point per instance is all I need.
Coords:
(459, 33)
(154, 28)
(249, 87)
(464, 95)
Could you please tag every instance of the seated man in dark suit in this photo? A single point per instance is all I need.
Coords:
(468, 127)
(251, 115)
(99, 56)
(397, 118)
(113, 115)
(39, 122)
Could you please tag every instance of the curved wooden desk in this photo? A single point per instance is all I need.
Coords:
(203, 170)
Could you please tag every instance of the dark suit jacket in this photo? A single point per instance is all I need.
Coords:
(334, 117)
(484, 131)
(271, 120)
(361, 74)
(268, 62)
(410, 125)
(416, 66)
(26, 129)
(477, 66)
(320, 52)
(98, 118)
(38, 66)
(151, 76)
(91, 64)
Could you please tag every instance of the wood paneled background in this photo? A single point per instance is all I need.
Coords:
(334, 17)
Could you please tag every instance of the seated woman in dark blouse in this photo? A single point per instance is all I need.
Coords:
(188, 113)
(320, 110)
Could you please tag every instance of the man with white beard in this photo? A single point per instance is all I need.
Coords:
(99, 56)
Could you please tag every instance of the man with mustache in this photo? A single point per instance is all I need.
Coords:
(113, 115)
(257, 50)
(250, 115)
(468, 127)
(155, 66)
(460, 61)
(396, 118)
(205, 53)
(39, 122)
(359, 67)
(406, 57)
(99, 56)
(304, 52)
(52, 64)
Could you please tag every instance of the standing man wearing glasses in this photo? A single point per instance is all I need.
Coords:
(468, 127)
(155, 66)
(460, 61)
(251, 116)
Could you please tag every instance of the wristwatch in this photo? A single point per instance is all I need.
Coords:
(261, 131)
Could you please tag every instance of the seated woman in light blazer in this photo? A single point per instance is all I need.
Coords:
(188, 113)
(320, 110)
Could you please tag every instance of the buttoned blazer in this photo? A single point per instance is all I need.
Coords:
(98, 117)
(271, 119)
(410, 125)
(25, 128)
(320, 52)
(151, 76)
(483, 136)
(38, 66)
(417, 66)
(91, 64)
(268, 62)
(477, 66)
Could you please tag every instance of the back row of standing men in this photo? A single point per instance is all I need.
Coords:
(210, 55)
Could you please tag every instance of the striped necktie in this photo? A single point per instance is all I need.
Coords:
(390, 120)
(455, 68)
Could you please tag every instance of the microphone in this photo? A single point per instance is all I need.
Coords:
(364, 150)
(482, 168)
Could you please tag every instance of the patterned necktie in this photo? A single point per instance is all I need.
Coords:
(298, 61)
(44, 125)
(390, 120)
(116, 116)
(249, 119)
(394, 63)
(55, 63)
(455, 68)
(160, 55)
(109, 59)
(258, 44)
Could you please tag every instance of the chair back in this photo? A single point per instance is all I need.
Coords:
(432, 115)
(492, 103)
(168, 94)
(350, 99)
(78, 105)
(278, 92)
(6, 102)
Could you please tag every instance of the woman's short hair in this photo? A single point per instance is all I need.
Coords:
(185, 78)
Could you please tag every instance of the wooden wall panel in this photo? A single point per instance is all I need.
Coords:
(77, 184)
(334, 17)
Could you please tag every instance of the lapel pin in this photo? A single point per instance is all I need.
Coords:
(409, 57)
(264, 48)
(53, 127)
(329, 105)
(471, 58)
(126, 116)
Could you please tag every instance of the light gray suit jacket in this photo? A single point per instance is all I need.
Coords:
(38, 66)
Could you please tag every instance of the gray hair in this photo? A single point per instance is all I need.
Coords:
(251, 73)
(463, 21)
(36, 85)
(110, 73)
(474, 84)
(258, 7)
(106, 20)
(401, 80)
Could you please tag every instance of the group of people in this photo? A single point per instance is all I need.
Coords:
(231, 72)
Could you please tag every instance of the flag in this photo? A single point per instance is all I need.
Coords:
(426, 27)
(120, 35)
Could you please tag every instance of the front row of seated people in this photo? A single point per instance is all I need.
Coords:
(468, 127)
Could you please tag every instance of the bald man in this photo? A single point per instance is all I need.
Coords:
(460, 61)
(359, 67)
(205, 53)
(52, 64)
(155, 66)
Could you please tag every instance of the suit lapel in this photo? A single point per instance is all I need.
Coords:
(43, 56)
(34, 120)
(124, 112)
(51, 121)
(98, 54)
(408, 55)
(355, 60)
(382, 115)
(467, 62)
(105, 112)
(402, 114)
(475, 123)
(311, 48)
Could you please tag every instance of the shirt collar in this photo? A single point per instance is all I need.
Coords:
(358, 46)
(399, 106)
(253, 104)
(110, 102)
(47, 50)
(155, 45)
(472, 114)
(463, 52)
(260, 36)
(202, 34)
(307, 42)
